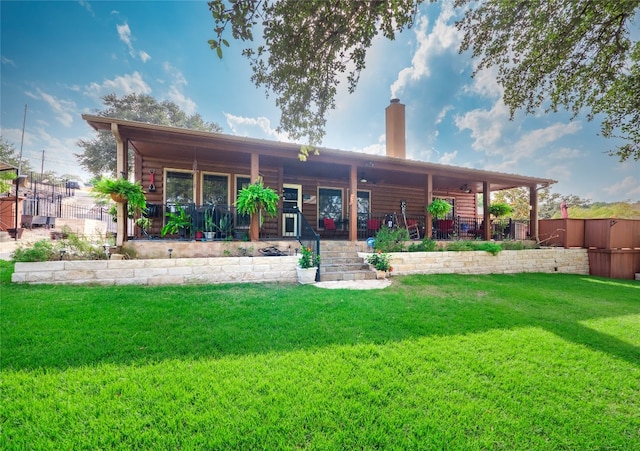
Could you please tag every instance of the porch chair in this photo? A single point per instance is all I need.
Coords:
(329, 226)
(413, 229)
(373, 225)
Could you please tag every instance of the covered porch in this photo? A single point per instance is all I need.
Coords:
(343, 195)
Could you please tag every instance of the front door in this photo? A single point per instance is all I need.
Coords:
(292, 197)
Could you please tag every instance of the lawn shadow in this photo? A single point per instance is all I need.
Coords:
(127, 325)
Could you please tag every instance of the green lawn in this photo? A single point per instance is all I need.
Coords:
(527, 361)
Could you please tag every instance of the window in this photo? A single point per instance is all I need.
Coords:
(364, 208)
(215, 189)
(179, 187)
(329, 205)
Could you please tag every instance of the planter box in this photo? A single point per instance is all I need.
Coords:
(614, 263)
(306, 275)
(562, 232)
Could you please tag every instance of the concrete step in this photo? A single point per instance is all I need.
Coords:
(345, 268)
(351, 275)
(340, 260)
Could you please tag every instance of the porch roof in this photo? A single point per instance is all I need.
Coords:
(174, 144)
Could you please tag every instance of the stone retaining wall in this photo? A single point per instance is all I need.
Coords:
(283, 269)
(570, 261)
(159, 272)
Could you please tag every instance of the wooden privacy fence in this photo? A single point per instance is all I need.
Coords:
(613, 244)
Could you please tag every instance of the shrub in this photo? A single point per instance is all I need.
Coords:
(380, 261)
(426, 245)
(492, 248)
(75, 247)
(465, 245)
(390, 240)
(518, 245)
(40, 251)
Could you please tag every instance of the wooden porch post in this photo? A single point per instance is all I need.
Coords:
(533, 213)
(486, 201)
(254, 225)
(428, 194)
(353, 204)
(122, 169)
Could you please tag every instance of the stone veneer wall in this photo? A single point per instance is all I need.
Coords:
(159, 272)
(283, 269)
(569, 261)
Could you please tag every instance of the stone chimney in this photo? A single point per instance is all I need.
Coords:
(395, 129)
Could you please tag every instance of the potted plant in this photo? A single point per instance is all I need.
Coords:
(497, 210)
(255, 199)
(439, 208)
(122, 191)
(178, 223)
(382, 264)
(209, 225)
(145, 224)
(225, 226)
(307, 266)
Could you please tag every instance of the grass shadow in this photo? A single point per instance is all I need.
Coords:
(65, 326)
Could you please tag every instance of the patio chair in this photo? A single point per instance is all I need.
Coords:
(373, 225)
(413, 229)
(329, 226)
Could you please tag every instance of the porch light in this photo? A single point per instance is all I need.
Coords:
(465, 188)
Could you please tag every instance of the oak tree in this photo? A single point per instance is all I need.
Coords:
(550, 54)
(99, 155)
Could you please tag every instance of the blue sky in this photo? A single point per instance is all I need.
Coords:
(60, 57)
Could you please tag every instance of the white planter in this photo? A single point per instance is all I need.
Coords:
(381, 274)
(306, 275)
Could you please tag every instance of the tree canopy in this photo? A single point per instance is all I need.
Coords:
(99, 156)
(307, 46)
(573, 54)
(9, 155)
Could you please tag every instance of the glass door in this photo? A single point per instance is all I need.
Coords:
(292, 197)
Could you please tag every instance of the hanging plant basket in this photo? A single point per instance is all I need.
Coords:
(119, 198)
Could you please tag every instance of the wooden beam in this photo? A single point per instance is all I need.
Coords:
(254, 226)
(533, 213)
(486, 201)
(353, 203)
(122, 169)
(428, 194)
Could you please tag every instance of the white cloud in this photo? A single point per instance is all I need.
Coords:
(566, 153)
(448, 157)
(259, 127)
(14, 136)
(121, 85)
(628, 188)
(444, 37)
(379, 148)
(485, 84)
(64, 109)
(124, 32)
(176, 95)
(175, 91)
(86, 5)
(8, 61)
(486, 126)
(125, 36)
(442, 114)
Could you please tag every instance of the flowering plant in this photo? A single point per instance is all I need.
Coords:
(307, 258)
(380, 261)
